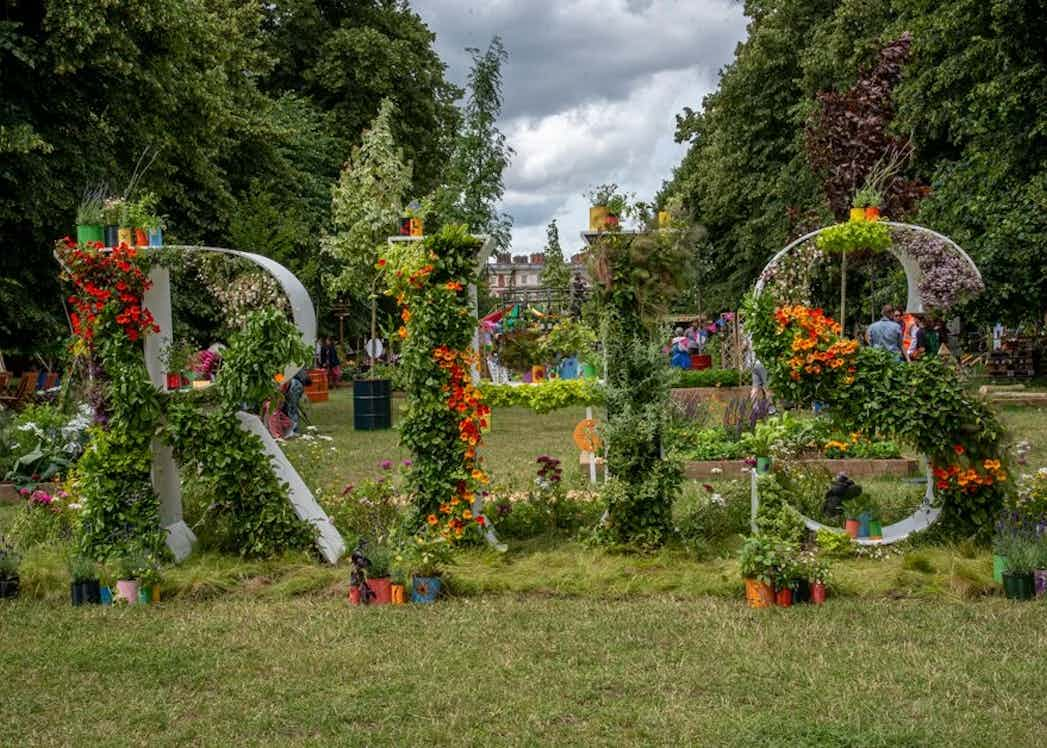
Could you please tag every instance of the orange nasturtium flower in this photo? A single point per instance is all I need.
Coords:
(432, 520)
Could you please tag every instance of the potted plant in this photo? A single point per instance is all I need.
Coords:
(805, 565)
(819, 578)
(378, 576)
(113, 210)
(84, 587)
(759, 443)
(9, 578)
(607, 207)
(1022, 558)
(397, 587)
(149, 579)
(757, 561)
(1039, 574)
(867, 202)
(89, 216)
(425, 555)
(130, 566)
(875, 524)
(785, 576)
(852, 508)
(865, 517)
(144, 221)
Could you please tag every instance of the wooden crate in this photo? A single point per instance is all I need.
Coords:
(317, 390)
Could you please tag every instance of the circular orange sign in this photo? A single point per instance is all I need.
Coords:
(585, 436)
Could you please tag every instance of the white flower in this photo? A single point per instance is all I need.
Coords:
(716, 471)
(717, 499)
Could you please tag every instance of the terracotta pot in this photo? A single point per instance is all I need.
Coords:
(141, 238)
(851, 526)
(700, 361)
(872, 213)
(382, 589)
(396, 593)
(783, 598)
(818, 593)
(857, 214)
(758, 594)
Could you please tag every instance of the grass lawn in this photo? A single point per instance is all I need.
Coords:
(552, 642)
(508, 670)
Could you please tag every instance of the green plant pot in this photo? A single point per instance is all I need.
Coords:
(1018, 586)
(89, 233)
(875, 529)
(999, 566)
(588, 371)
(763, 465)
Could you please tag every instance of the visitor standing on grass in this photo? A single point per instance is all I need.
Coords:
(917, 339)
(329, 362)
(885, 333)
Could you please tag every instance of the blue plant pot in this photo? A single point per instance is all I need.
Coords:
(569, 368)
(863, 524)
(105, 596)
(425, 589)
(156, 237)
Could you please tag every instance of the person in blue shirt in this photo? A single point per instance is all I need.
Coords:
(885, 333)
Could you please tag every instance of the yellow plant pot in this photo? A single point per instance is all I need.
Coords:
(857, 214)
(598, 218)
(663, 219)
(125, 236)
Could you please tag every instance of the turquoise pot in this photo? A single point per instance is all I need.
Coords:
(156, 237)
(569, 368)
(863, 524)
(425, 589)
(763, 465)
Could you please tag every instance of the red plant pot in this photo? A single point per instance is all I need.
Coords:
(381, 589)
(851, 527)
(783, 598)
(701, 361)
(174, 380)
(818, 593)
(871, 213)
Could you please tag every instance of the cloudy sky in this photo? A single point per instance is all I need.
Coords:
(591, 90)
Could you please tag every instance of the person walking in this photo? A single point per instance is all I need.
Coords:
(885, 333)
(917, 339)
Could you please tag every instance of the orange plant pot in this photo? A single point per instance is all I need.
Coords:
(783, 598)
(141, 238)
(758, 594)
(872, 213)
(851, 527)
(396, 592)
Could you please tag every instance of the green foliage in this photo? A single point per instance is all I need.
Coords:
(424, 555)
(776, 516)
(256, 354)
(854, 235)
(369, 509)
(705, 517)
(834, 543)
(544, 397)
(249, 512)
(40, 443)
(706, 378)
(567, 338)
(38, 522)
(556, 274)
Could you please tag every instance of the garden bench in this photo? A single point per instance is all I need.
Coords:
(23, 393)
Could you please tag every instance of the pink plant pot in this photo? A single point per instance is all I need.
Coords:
(1039, 582)
(128, 590)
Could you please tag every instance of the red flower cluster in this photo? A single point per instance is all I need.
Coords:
(106, 282)
(969, 479)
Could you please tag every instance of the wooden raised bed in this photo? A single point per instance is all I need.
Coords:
(720, 394)
(9, 494)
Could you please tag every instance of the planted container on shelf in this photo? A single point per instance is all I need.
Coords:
(113, 212)
(783, 597)
(90, 218)
(607, 206)
(1022, 558)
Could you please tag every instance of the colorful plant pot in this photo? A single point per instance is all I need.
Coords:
(664, 219)
(537, 373)
(999, 566)
(863, 524)
(174, 380)
(783, 597)
(598, 218)
(125, 236)
(154, 594)
(396, 594)
(872, 213)
(857, 214)
(527, 377)
(112, 235)
(700, 361)
(818, 593)
(89, 233)
(1018, 586)
(802, 592)
(156, 237)
(588, 371)
(9, 587)
(382, 587)
(1039, 583)
(875, 529)
(85, 593)
(851, 527)
(758, 594)
(425, 589)
(145, 595)
(141, 238)
(105, 595)
(127, 589)
(763, 465)
(568, 368)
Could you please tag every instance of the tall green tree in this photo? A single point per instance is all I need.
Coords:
(556, 274)
(366, 205)
(474, 183)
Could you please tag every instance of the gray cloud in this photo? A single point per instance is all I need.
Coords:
(591, 89)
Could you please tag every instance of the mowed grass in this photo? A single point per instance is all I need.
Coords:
(507, 670)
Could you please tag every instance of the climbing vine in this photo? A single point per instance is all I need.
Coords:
(446, 413)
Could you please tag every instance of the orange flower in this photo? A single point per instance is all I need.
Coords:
(467, 514)
(405, 315)
(992, 464)
(402, 332)
(432, 520)
(453, 286)
(958, 449)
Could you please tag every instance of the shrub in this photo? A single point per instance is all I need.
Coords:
(705, 515)
(43, 518)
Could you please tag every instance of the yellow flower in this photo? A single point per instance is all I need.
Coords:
(467, 514)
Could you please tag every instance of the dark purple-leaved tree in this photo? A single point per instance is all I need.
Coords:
(848, 142)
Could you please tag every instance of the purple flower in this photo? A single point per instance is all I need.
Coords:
(407, 463)
(24, 491)
(386, 464)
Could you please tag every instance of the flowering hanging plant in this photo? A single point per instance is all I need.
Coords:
(814, 349)
(446, 414)
(108, 289)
